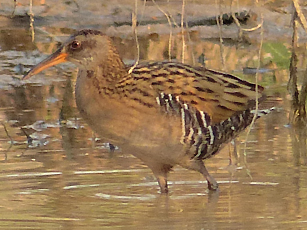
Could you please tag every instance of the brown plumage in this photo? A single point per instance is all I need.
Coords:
(164, 113)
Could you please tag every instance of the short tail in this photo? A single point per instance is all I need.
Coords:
(263, 112)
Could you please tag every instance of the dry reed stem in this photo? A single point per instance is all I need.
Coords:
(182, 31)
(292, 83)
(298, 113)
(15, 5)
(256, 89)
(219, 21)
(236, 20)
(169, 17)
(300, 15)
(31, 20)
(303, 93)
(134, 28)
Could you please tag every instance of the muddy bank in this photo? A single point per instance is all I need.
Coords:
(57, 17)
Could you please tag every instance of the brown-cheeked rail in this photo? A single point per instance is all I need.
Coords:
(164, 113)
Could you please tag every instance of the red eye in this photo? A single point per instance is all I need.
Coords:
(75, 45)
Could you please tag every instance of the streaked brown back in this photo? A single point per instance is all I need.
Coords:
(218, 94)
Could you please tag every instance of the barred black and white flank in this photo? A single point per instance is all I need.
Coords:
(197, 130)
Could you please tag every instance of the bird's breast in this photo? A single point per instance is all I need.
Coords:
(124, 121)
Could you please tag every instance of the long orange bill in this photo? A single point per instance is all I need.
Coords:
(53, 59)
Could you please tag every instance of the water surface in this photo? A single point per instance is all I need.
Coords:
(54, 174)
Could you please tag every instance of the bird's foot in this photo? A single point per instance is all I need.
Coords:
(213, 185)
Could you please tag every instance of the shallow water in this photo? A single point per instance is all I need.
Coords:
(55, 175)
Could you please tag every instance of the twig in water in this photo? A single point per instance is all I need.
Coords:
(29, 141)
(11, 141)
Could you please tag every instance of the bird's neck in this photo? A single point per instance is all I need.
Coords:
(107, 71)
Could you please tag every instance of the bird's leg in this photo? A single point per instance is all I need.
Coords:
(162, 180)
(160, 172)
(212, 184)
(198, 165)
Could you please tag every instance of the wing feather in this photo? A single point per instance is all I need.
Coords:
(220, 95)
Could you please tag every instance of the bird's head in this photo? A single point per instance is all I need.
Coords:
(87, 49)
